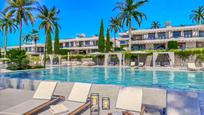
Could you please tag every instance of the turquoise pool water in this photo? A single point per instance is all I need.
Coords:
(118, 76)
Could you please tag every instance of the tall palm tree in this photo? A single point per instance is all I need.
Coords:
(49, 18)
(32, 36)
(198, 15)
(155, 25)
(22, 10)
(7, 25)
(128, 11)
(115, 25)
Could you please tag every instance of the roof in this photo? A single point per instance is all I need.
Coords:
(180, 28)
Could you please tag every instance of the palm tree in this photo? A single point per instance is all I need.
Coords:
(155, 25)
(22, 10)
(32, 36)
(128, 11)
(198, 15)
(7, 25)
(49, 18)
(115, 25)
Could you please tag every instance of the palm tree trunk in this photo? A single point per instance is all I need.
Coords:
(45, 54)
(21, 27)
(5, 42)
(114, 40)
(130, 35)
(35, 46)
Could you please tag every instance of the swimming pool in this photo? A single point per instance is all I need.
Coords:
(118, 76)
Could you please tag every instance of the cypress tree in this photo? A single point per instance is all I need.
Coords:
(56, 42)
(108, 45)
(101, 41)
(49, 43)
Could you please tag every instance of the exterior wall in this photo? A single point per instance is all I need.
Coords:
(149, 46)
(190, 44)
(188, 36)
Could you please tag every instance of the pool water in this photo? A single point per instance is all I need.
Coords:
(118, 76)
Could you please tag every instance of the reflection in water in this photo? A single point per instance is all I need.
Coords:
(155, 80)
(106, 74)
(120, 74)
(191, 76)
(172, 76)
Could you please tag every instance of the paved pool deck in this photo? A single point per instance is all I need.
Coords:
(176, 102)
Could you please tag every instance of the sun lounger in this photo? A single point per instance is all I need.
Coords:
(192, 67)
(129, 101)
(75, 103)
(132, 64)
(141, 64)
(202, 66)
(42, 98)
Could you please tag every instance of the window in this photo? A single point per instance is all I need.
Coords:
(125, 36)
(67, 44)
(201, 33)
(87, 43)
(137, 37)
(182, 46)
(123, 42)
(71, 44)
(138, 47)
(151, 36)
(188, 34)
(159, 46)
(80, 44)
(162, 35)
(176, 34)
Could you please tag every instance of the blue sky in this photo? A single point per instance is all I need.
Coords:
(83, 16)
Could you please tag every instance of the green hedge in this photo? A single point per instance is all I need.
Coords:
(172, 45)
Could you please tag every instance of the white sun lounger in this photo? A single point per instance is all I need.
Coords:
(192, 67)
(130, 98)
(132, 64)
(40, 99)
(202, 66)
(77, 100)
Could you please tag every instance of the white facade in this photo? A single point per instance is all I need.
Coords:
(148, 39)
(81, 45)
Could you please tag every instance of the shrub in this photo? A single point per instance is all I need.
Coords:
(64, 51)
(17, 59)
(172, 45)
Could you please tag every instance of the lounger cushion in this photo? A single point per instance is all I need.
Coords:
(130, 99)
(45, 90)
(57, 109)
(80, 92)
(69, 104)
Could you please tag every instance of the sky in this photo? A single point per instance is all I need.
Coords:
(84, 16)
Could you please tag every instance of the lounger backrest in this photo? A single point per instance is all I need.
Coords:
(191, 65)
(141, 63)
(130, 98)
(45, 90)
(132, 63)
(202, 65)
(80, 92)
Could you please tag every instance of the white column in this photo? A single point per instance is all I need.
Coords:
(59, 57)
(182, 33)
(154, 59)
(172, 58)
(106, 59)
